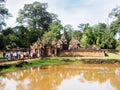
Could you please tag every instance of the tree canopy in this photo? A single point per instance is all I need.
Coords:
(4, 13)
(36, 16)
(34, 21)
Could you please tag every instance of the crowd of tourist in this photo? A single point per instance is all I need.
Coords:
(20, 55)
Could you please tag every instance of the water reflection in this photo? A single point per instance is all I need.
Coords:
(80, 83)
(63, 77)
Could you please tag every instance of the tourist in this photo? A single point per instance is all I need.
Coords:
(4, 54)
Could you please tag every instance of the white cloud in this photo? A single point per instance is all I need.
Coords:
(70, 11)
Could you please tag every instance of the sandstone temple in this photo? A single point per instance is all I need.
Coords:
(61, 47)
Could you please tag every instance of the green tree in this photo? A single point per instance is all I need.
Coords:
(2, 41)
(118, 44)
(55, 29)
(8, 31)
(110, 38)
(115, 25)
(84, 41)
(4, 14)
(23, 36)
(33, 35)
(99, 34)
(68, 30)
(104, 36)
(77, 34)
(48, 36)
(10, 38)
(87, 36)
(83, 26)
(36, 16)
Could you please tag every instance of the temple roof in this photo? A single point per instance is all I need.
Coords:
(37, 45)
(74, 44)
(63, 38)
(54, 41)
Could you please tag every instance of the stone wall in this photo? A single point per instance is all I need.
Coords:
(82, 53)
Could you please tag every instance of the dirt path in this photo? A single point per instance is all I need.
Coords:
(16, 61)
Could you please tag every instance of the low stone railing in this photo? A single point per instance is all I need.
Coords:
(82, 53)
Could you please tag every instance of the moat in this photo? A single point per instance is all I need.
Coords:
(63, 77)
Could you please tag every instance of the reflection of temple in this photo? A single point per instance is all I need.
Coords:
(52, 77)
(60, 47)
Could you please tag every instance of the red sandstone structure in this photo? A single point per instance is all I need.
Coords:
(60, 47)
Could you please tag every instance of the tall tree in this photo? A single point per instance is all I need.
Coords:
(87, 36)
(36, 16)
(2, 42)
(68, 30)
(55, 29)
(10, 38)
(99, 34)
(83, 26)
(115, 25)
(22, 34)
(77, 34)
(104, 36)
(3, 14)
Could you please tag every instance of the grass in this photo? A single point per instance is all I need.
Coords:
(113, 55)
(1, 56)
(24, 65)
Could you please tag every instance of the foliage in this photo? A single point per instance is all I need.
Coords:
(36, 22)
(99, 34)
(22, 34)
(104, 36)
(68, 30)
(83, 26)
(118, 44)
(9, 38)
(77, 34)
(84, 40)
(2, 43)
(87, 36)
(55, 28)
(4, 13)
(36, 16)
(48, 36)
(115, 25)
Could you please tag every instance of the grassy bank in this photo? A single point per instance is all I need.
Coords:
(27, 64)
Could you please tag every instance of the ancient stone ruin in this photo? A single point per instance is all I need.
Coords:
(74, 44)
(61, 47)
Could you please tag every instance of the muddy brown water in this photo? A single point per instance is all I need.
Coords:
(63, 77)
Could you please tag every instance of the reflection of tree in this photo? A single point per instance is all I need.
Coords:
(50, 77)
(103, 76)
(2, 84)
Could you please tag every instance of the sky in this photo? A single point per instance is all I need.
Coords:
(73, 12)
